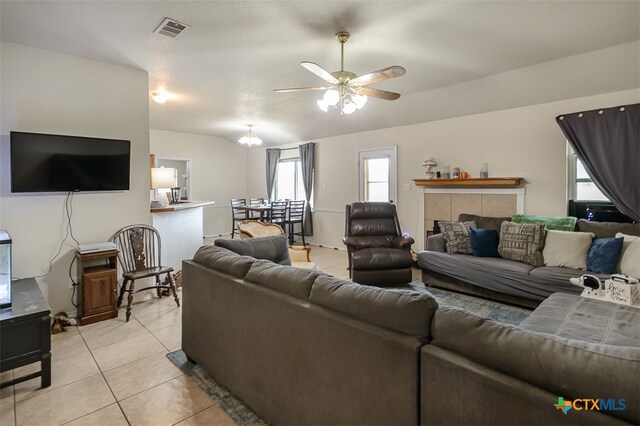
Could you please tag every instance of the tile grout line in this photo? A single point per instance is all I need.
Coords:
(195, 414)
(102, 373)
(106, 382)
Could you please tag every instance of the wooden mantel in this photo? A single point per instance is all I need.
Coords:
(494, 182)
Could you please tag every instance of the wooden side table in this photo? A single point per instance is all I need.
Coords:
(97, 295)
(25, 333)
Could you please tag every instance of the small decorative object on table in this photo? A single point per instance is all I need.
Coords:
(623, 289)
(175, 195)
(456, 173)
(620, 289)
(484, 170)
(593, 287)
(429, 163)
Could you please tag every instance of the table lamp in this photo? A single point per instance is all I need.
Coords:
(163, 178)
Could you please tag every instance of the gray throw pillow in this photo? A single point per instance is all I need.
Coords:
(457, 236)
(523, 242)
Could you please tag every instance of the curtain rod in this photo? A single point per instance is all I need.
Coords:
(286, 149)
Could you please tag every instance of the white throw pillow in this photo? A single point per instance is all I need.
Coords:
(567, 249)
(629, 255)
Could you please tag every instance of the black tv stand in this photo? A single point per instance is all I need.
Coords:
(25, 328)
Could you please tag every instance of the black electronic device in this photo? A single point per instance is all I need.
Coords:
(59, 163)
(600, 211)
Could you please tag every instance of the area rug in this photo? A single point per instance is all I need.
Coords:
(236, 409)
(243, 415)
(494, 310)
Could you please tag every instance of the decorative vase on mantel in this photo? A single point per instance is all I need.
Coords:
(428, 164)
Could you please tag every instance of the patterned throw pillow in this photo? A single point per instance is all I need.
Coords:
(457, 236)
(522, 242)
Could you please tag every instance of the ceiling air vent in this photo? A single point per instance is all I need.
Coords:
(171, 28)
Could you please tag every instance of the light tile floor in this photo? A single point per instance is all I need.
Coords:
(117, 373)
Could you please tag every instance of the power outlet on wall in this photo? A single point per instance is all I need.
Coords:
(407, 187)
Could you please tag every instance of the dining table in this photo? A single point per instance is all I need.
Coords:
(262, 209)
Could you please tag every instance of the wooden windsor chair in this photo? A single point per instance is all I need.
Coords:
(140, 257)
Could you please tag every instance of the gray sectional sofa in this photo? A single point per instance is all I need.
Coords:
(502, 279)
(302, 347)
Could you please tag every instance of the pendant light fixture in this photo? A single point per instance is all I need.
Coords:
(249, 138)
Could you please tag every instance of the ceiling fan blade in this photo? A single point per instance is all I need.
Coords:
(296, 89)
(383, 74)
(320, 72)
(377, 93)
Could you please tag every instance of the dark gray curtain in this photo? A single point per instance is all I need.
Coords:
(273, 156)
(307, 159)
(607, 142)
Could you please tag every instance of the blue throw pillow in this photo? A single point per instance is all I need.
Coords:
(604, 254)
(484, 242)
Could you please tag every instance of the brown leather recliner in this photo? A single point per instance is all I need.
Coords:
(378, 253)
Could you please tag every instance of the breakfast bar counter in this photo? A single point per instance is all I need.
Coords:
(181, 230)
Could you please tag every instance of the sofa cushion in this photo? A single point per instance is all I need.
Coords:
(604, 255)
(608, 229)
(559, 275)
(555, 223)
(293, 281)
(381, 258)
(564, 367)
(457, 236)
(274, 248)
(223, 260)
(405, 311)
(494, 273)
(580, 318)
(522, 242)
(484, 222)
(484, 242)
(568, 249)
(629, 263)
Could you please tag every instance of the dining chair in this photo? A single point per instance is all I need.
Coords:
(238, 213)
(255, 202)
(296, 216)
(278, 213)
(140, 257)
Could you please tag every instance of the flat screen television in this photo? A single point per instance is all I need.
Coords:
(58, 163)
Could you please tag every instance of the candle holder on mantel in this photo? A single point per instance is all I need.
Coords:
(428, 164)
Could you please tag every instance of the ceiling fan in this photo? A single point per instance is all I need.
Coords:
(345, 89)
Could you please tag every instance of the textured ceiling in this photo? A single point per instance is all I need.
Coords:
(224, 68)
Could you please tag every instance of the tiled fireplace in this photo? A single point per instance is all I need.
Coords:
(444, 203)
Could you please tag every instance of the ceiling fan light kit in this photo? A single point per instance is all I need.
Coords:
(160, 96)
(345, 90)
(249, 138)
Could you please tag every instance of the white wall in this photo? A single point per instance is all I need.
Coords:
(524, 142)
(218, 172)
(47, 92)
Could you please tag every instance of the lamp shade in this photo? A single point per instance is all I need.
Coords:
(163, 177)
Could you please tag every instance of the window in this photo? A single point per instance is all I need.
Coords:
(289, 184)
(377, 174)
(581, 186)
